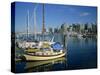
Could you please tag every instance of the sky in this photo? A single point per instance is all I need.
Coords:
(55, 15)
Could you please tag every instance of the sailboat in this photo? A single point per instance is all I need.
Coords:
(43, 50)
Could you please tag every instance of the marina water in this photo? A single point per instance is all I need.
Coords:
(81, 54)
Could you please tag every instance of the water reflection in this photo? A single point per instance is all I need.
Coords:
(39, 66)
(82, 53)
(45, 65)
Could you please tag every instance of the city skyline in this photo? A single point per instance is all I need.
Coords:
(55, 15)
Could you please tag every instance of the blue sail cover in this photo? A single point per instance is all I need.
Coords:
(57, 46)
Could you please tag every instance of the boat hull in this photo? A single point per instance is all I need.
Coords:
(36, 58)
(30, 65)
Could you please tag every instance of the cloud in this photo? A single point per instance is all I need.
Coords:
(84, 14)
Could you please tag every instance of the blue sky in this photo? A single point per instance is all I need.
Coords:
(55, 15)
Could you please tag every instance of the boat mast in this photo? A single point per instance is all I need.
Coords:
(35, 22)
(27, 25)
(43, 23)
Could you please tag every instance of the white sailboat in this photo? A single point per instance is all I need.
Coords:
(42, 50)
